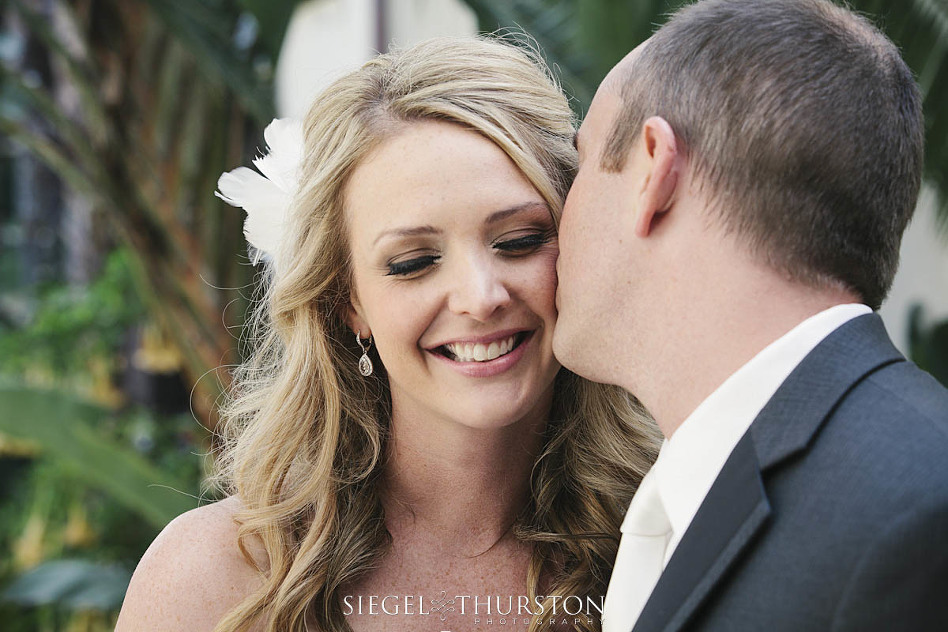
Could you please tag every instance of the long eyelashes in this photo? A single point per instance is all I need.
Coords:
(527, 243)
(411, 266)
(519, 246)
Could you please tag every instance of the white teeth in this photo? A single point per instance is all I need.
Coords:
(472, 352)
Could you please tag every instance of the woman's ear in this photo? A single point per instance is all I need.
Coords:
(354, 317)
(661, 161)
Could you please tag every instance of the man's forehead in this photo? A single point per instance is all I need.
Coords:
(606, 101)
(598, 120)
(617, 76)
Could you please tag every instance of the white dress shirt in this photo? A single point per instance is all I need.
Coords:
(691, 460)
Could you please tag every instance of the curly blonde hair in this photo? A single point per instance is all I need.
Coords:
(303, 433)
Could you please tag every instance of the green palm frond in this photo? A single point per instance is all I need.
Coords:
(75, 169)
(81, 72)
(272, 16)
(146, 146)
(64, 426)
(72, 584)
(206, 30)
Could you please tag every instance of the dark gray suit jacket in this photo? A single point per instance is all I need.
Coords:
(832, 511)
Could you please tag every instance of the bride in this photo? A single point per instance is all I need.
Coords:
(402, 450)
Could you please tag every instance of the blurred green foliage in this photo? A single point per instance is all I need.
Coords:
(86, 479)
(50, 511)
(929, 344)
(71, 325)
(79, 436)
(85, 487)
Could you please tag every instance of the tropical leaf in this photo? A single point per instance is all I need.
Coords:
(273, 16)
(58, 156)
(72, 584)
(82, 73)
(206, 30)
(50, 153)
(609, 29)
(62, 425)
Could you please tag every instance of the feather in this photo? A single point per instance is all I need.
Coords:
(267, 198)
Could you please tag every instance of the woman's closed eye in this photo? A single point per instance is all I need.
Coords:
(511, 245)
(525, 243)
(414, 265)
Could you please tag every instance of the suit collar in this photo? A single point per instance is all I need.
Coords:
(736, 508)
(818, 383)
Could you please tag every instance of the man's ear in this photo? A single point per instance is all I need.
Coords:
(658, 151)
(354, 317)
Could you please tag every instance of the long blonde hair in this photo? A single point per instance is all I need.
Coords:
(304, 432)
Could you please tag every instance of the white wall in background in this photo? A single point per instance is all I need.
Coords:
(412, 21)
(327, 38)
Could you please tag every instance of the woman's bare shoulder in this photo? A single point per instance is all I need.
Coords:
(191, 575)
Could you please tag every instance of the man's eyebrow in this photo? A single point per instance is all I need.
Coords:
(497, 216)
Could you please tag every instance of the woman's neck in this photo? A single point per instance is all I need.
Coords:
(457, 487)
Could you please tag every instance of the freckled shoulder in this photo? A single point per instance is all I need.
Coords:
(191, 575)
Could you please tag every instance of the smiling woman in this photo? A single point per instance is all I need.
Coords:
(467, 466)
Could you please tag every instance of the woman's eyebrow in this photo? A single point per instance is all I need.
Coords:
(497, 216)
(530, 206)
(412, 231)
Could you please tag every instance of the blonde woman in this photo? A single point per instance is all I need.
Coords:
(402, 451)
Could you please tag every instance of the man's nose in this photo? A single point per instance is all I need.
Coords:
(480, 290)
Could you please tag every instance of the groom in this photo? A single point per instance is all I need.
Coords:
(745, 178)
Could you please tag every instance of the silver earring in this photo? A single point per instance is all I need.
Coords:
(365, 364)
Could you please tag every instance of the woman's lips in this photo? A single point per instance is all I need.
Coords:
(462, 356)
(481, 351)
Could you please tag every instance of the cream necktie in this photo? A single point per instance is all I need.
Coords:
(640, 560)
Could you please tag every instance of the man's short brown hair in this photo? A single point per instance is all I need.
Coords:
(802, 122)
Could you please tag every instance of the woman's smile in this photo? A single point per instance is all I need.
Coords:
(474, 351)
(481, 360)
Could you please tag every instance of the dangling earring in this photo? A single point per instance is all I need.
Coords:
(365, 364)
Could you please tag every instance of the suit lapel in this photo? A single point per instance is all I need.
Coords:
(790, 420)
(736, 508)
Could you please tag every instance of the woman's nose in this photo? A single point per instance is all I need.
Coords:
(479, 290)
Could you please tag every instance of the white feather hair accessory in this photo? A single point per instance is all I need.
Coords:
(267, 197)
